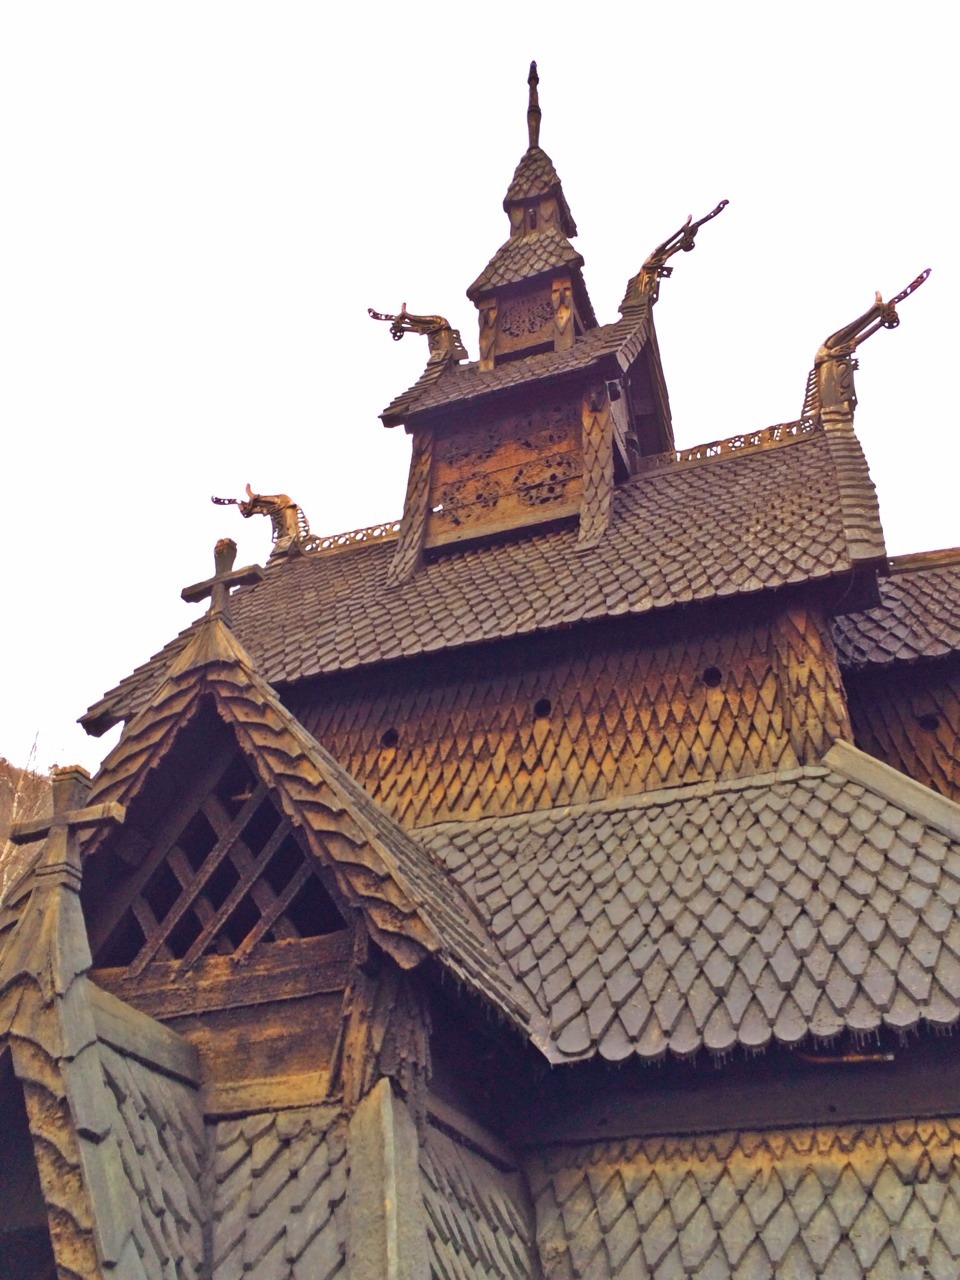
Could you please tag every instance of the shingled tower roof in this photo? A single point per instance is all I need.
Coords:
(541, 224)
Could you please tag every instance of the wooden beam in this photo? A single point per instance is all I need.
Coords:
(135, 1035)
(280, 971)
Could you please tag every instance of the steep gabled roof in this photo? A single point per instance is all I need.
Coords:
(801, 904)
(409, 905)
(721, 527)
(918, 616)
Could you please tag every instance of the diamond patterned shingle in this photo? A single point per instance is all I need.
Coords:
(159, 1129)
(875, 1201)
(280, 1180)
(720, 915)
(654, 556)
(523, 257)
(479, 1220)
(918, 615)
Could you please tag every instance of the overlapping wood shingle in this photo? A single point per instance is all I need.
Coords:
(479, 1219)
(654, 556)
(918, 615)
(158, 1124)
(279, 1181)
(863, 1202)
(523, 257)
(801, 904)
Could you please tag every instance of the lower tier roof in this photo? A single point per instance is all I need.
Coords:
(802, 904)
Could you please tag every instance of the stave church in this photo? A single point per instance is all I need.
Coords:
(559, 883)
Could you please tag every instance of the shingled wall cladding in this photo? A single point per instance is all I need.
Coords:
(160, 1132)
(910, 718)
(597, 719)
(479, 1219)
(875, 1201)
(716, 916)
(279, 1183)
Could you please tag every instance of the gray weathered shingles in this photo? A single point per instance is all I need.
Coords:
(159, 1128)
(279, 1184)
(779, 907)
(479, 1220)
(654, 556)
(918, 616)
(866, 1202)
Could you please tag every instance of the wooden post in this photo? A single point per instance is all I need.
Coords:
(386, 1222)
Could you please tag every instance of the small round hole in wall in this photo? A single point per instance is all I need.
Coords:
(712, 677)
(389, 738)
(929, 721)
(542, 708)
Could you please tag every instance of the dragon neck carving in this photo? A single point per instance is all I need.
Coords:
(644, 287)
(830, 388)
(445, 343)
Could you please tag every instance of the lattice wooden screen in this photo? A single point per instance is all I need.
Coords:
(230, 876)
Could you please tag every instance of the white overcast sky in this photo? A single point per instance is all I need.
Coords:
(202, 199)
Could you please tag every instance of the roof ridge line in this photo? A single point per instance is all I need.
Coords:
(917, 561)
(714, 451)
(921, 802)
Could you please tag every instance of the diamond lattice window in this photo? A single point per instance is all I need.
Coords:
(227, 878)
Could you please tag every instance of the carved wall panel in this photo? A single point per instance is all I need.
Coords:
(564, 724)
(513, 471)
(525, 321)
(910, 719)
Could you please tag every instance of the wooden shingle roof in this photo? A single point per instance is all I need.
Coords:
(857, 1202)
(918, 616)
(684, 533)
(797, 905)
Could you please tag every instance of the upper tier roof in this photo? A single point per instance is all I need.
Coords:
(918, 615)
(523, 257)
(617, 345)
(743, 520)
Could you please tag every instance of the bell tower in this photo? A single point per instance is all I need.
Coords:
(531, 296)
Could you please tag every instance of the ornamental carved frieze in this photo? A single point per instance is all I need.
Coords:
(519, 317)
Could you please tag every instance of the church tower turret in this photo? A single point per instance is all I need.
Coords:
(557, 411)
(531, 296)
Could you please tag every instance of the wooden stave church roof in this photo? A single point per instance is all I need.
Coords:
(653, 557)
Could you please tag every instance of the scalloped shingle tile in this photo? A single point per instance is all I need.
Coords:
(720, 915)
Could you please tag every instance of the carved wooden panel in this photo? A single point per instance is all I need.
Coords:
(910, 718)
(513, 471)
(570, 721)
(228, 875)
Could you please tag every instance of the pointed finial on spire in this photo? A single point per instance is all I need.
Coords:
(533, 107)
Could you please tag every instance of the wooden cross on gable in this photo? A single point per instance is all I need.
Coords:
(225, 578)
(61, 855)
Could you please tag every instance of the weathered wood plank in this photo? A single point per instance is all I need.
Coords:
(280, 971)
(134, 1034)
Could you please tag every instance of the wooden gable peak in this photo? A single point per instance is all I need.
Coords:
(372, 867)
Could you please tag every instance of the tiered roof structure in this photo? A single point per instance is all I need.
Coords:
(560, 882)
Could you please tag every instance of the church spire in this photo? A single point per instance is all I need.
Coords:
(531, 296)
(533, 107)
